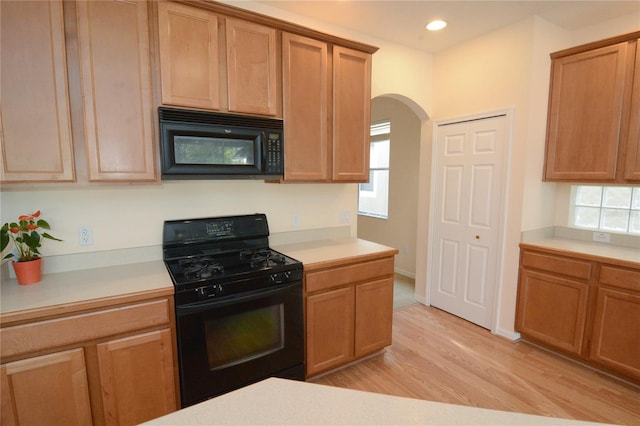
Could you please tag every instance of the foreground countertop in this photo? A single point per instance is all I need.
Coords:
(617, 255)
(286, 402)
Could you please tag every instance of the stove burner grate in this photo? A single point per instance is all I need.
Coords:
(262, 257)
(201, 267)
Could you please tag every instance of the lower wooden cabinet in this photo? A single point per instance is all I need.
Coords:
(582, 307)
(553, 310)
(48, 390)
(136, 374)
(348, 312)
(615, 341)
(109, 366)
(330, 329)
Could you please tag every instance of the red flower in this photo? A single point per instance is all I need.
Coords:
(32, 226)
(25, 217)
(14, 230)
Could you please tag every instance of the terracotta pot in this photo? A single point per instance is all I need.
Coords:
(29, 272)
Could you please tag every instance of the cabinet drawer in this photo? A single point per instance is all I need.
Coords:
(557, 265)
(335, 277)
(618, 277)
(25, 338)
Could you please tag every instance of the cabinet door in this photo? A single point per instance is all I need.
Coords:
(46, 390)
(251, 68)
(136, 376)
(189, 56)
(35, 124)
(374, 316)
(116, 90)
(632, 163)
(306, 101)
(351, 115)
(585, 114)
(615, 341)
(552, 310)
(329, 324)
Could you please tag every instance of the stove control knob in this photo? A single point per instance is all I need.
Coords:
(202, 293)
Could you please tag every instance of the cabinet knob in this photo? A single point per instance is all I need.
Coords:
(477, 237)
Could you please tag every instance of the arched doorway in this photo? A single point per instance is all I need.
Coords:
(399, 228)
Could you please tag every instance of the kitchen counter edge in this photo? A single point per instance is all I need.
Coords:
(322, 254)
(599, 252)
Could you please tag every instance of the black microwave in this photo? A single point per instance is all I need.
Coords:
(208, 145)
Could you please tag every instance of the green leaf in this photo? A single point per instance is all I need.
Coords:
(43, 224)
(51, 237)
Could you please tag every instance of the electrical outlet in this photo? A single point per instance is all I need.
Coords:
(601, 237)
(345, 217)
(295, 220)
(86, 236)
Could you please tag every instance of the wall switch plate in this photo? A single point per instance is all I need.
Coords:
(601, 237)
(86, 236)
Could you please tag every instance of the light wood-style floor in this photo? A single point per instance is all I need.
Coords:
(439, 357)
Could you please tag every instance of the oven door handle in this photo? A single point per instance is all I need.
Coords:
(194, 308)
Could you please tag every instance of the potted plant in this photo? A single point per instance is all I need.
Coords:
(27, 241)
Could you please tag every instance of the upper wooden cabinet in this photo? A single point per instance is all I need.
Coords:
(116, 90)
(632, 163)
(592, 128)
(327, 96)
(35, 120)
(306, 95)
(190, 76)
(212, 61)
(251, 68)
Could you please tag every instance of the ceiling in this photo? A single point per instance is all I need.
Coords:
(403, 22)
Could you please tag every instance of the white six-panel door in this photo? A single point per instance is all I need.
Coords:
(466, 217)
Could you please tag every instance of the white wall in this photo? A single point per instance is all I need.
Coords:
(132, 216)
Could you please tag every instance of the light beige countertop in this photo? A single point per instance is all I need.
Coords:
(602, 252)
(286, 402)
(75, 287)
(329, 252)
(59, 291)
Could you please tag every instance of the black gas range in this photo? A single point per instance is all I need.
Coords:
(238, 304)
(223, 256)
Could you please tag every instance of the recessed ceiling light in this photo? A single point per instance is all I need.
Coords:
(436, 25)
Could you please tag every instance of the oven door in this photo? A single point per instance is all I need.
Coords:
(226, 344)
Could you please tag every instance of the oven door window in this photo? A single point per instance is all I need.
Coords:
(239, 338)
(213, 151)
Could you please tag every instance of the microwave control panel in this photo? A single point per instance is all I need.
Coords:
(274, 163)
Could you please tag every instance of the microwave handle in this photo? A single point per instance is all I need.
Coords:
(265, 153)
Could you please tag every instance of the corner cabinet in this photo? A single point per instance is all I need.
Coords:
(583, 307)
(35, 119)
(230, 65)
(593, 129)
(114, 365)
(326, 96)
(348, 311)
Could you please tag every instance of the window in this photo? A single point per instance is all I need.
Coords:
(606, 208)
(373, 199)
